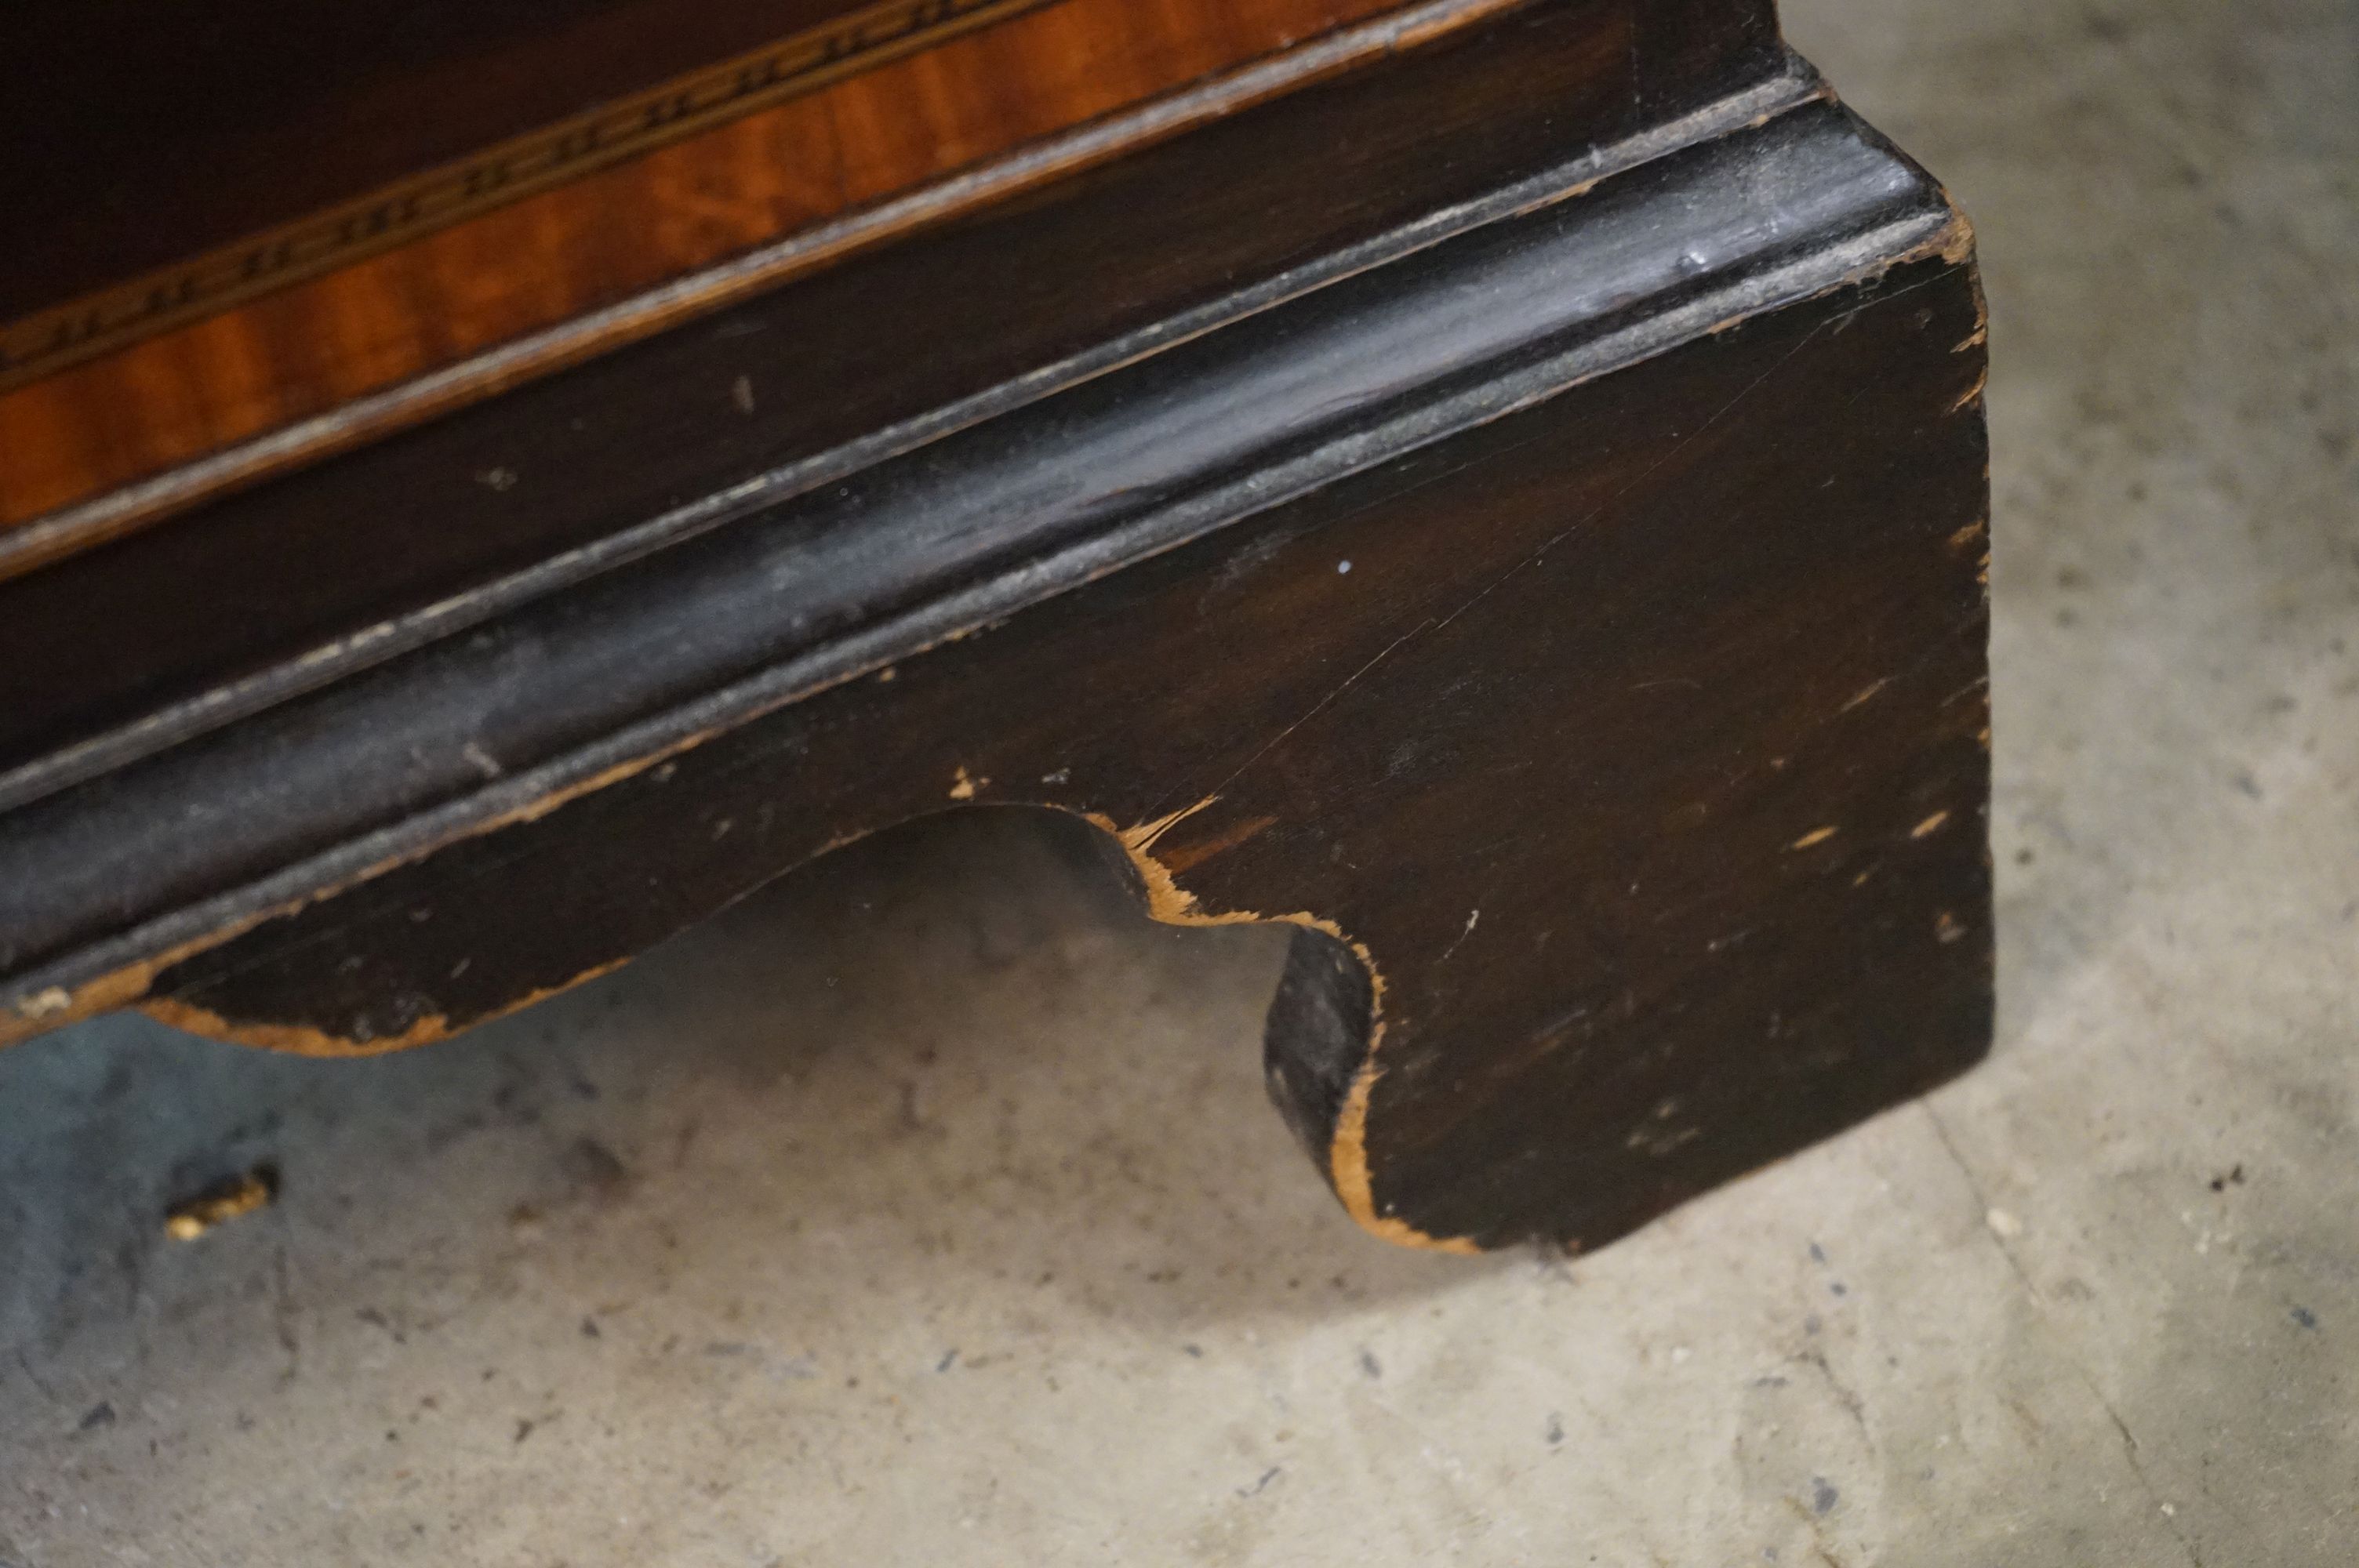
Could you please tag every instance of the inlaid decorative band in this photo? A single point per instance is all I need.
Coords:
(50, 340)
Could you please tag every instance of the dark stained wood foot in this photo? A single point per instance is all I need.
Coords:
(1566, 609)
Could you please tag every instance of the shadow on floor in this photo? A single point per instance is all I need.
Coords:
(957, 1046)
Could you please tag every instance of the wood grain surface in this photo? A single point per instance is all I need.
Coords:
(166, 130)
(1513, 510)
(306, 351)
(1572, 624)
(330, 569)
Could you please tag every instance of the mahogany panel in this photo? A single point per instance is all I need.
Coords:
(165, 128)
(145, 429)
(313, 344)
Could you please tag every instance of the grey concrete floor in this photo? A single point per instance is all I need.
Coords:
(927, 1208)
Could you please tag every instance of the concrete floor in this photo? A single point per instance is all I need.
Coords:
(929, 1210)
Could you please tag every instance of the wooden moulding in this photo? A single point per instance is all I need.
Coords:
(348, 564)
(1561, 603)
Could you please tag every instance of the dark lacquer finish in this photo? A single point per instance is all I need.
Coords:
(347, 564)
(1559, 594)
(253, 351)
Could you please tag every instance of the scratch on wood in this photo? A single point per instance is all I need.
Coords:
(1316, 708)
(1143, 838)
(1955, 243)
(1472, 920)
(1968, 397)
(302, 1040)
(1865, 696)
(1192, 855)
